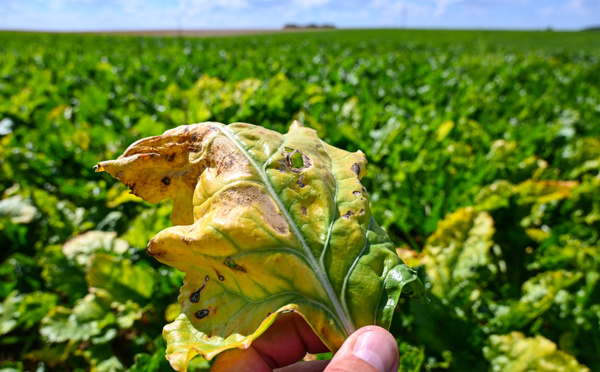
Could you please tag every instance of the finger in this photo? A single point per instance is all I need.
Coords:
(240, 360)
(284, 343)
(370, 349)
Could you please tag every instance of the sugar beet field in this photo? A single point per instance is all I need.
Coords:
(484, 168)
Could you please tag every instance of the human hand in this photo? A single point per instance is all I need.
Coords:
(369, 349)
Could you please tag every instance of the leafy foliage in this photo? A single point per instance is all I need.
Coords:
(492, 132)
(515, 352)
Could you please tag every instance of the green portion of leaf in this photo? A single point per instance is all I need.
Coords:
(24, 310)
(151, 362)
(51, 354)
(62, 274)
(89, 318)
(145, 226)
(156, 361)
(127, 313)
(111, 364)
(538, 295)
(11, 367)
(516, 353)
(81, 248)
(458, 251)
(494, 196)
(172, 311)
(121, 280)
(101, 358)
(411, 358)
(18, 273)
(269, 223)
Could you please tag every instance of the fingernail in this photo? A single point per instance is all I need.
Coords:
(377, 349)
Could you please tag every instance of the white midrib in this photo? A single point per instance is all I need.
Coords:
(323, 278)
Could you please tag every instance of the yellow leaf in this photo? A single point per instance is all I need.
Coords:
(265, 224)
(444, 129)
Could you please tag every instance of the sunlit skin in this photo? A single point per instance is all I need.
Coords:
(288, 340)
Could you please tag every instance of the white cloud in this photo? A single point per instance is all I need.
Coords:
(582, 7)
(308, 4)
(394, 9)
(442, 6)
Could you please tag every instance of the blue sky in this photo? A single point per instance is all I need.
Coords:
(78, 15)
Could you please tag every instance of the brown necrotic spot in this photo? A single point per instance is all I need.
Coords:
(233, 265)
(300, 181)
(348, 215)
(221, 278)
(227, 158)
(171, 157)
(166, 181)
(356, 193)
(200, 314)
(195, 297)
(304, 211)
(146, 156)
(252, 195)
(154, 253)
(362, 211)
(296, 159)
(226, 162)
(356, 169)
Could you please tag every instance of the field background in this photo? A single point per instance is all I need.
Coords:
(484, 167)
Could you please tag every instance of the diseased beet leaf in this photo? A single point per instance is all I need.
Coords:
(265, 223)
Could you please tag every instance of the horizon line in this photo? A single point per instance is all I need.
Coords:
(300, 28)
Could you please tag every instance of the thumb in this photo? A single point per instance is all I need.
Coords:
(370, 349)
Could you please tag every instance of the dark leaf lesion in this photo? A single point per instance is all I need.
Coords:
(195, 297)
(348, 215)
(230, 263)
(201, 314)
(296, 160)
(356, 169)
(300, 182)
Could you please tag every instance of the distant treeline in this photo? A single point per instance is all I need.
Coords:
(310, 25)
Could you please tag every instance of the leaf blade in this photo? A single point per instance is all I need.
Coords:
(265, 224)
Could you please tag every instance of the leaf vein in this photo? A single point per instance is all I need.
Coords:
(342, 315)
